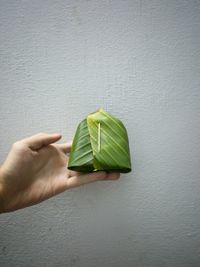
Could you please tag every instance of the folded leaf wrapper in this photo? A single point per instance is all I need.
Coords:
(100, 143)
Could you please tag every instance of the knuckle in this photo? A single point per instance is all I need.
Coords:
(18, 146)
(101, 176)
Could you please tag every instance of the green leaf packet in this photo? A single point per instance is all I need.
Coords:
(100, 143)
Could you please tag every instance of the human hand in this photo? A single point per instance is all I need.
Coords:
(36, 169)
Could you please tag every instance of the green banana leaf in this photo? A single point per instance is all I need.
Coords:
(100, 143)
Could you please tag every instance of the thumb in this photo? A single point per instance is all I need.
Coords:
(37, 141)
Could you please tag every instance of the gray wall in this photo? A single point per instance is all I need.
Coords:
(139, 60)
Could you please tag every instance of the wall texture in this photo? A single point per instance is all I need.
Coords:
(138, 59)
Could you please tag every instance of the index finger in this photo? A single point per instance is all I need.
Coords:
(37, 141)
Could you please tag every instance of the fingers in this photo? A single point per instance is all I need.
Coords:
(83, 179)
(79, 180)
(113, 176)
(37, 141)
(65, 147)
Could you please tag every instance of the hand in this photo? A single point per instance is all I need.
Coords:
(36, 169)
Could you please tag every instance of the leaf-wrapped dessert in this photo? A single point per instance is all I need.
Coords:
(100, 143)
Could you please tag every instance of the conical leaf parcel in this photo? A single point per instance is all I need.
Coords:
(100, 143)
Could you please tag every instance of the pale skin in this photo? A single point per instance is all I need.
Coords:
(36, 169)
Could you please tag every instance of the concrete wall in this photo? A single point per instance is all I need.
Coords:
(139, 60)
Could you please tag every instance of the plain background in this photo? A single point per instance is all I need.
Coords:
(139, 60)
